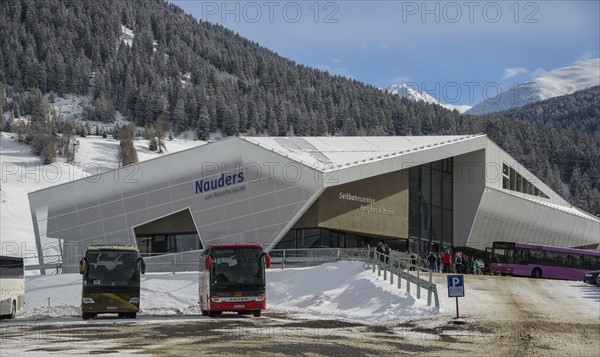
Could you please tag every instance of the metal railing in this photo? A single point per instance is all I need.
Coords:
(316, 256)
(154, 263)
(402, 268)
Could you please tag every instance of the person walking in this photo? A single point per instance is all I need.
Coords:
(387, 251)
(465, 263)
(381, 251)
(413, 260)
(447, 261)
(458, 263)
(432, 259)
(472, 265)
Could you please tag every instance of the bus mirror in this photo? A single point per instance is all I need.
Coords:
(81, 266)
(268, 260)
(207, 262)
(142, 266)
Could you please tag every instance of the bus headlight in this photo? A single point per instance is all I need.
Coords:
(260, 297)
(88, 300)
(215, 299)
(134, 300)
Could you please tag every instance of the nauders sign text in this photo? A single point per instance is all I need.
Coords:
(224, 180)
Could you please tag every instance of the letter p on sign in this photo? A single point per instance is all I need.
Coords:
(456, 286)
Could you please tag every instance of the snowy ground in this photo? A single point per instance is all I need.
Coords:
(333, 309)
(342, 290)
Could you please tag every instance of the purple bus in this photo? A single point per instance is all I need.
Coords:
(537, 261)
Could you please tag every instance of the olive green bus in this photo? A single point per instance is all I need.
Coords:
(111, 281)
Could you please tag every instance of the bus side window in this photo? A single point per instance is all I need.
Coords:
(575, 261)
(535, 257)
(522, 256)
(591, 262)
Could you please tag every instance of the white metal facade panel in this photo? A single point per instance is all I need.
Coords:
(112, 204)
(505, 217)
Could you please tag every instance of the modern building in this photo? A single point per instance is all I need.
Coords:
(417, 193)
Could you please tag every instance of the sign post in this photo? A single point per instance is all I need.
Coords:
(456, 288)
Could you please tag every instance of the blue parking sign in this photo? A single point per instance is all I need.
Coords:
(456, 286)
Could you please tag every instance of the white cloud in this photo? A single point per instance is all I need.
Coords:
(537, 72)
(513, 72)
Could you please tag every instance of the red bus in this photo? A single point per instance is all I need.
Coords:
(233, 279)
(542, 261)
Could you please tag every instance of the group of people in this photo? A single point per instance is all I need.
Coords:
(445, 263)
(460, 263)
(384, 249)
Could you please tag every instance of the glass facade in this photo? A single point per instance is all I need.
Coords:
(327, 238)
(430, 206)
(157, 244)
(512, 180)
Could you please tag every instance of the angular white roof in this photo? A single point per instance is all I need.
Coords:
(348, 151)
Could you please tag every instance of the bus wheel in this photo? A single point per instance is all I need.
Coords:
(131, 315)
(257, 313)
(536, 273)
(204, 312)
(212, 313)
(13, 310)
(86, 316)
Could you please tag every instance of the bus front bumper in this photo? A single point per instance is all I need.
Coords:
(237, 304)
(109, 303)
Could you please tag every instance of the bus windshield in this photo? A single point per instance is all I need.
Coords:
(502, 252)
(11, 268)
(237, 267)
(112, 268)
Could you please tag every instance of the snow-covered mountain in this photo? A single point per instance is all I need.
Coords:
(562, 81)
(405, 91)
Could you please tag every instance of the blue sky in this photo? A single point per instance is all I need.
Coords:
(454, 50)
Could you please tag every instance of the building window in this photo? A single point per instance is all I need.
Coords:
(430, 205)
(327, 238)
(158, 244)
(512, 180)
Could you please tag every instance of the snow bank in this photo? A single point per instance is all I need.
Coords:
(342, 290)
